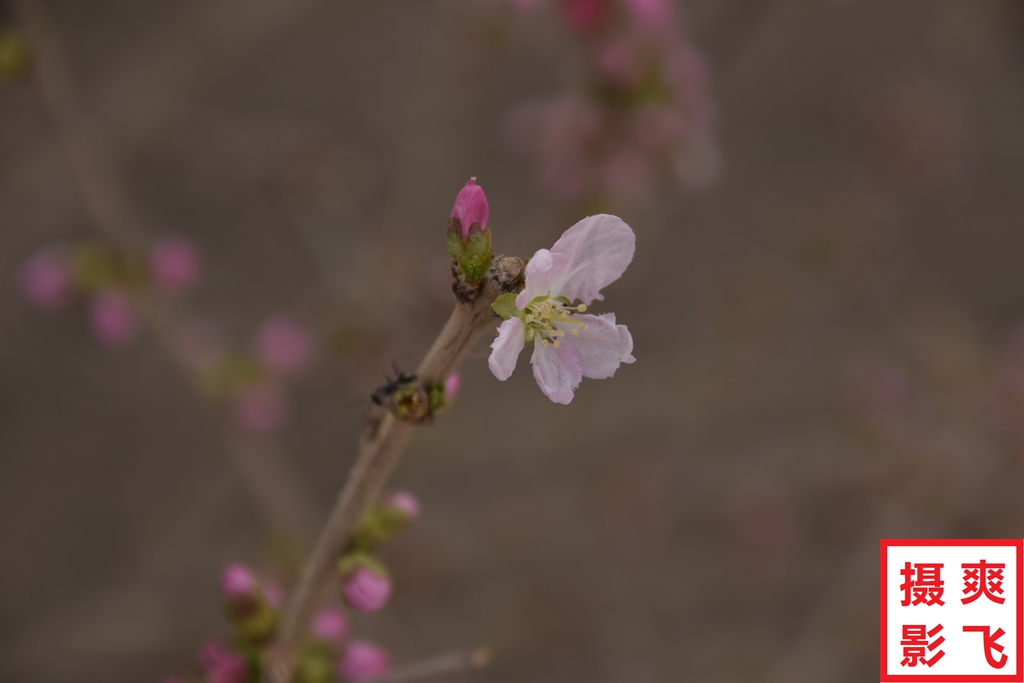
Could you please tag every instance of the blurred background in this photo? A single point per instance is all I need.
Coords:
(825, 302)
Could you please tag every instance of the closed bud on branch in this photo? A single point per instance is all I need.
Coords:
(245, 604)
(469, 239)
(221, 665)
(366, 586)
(404, 502)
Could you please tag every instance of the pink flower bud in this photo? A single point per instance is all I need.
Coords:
(112, 319)
(406, 502)
(221, 665)
(283, 345)
(260, 408)
(45, 280)
(451, 385)
(175, 264)
(363, 661)
(365, 590)
(237, 582)
(470, 209)
(330, 624)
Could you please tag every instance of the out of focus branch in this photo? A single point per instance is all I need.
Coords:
(454, 663)
(379, 453)
(263, 468)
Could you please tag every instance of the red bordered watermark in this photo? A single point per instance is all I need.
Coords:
(952, 610)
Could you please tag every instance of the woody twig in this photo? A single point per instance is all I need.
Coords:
(380, 451)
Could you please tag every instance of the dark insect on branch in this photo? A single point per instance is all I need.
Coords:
(386, 390)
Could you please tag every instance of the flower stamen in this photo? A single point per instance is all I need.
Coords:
(542, 313)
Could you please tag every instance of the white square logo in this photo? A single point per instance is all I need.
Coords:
(951, 610)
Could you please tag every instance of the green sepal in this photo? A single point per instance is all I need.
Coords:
(254, 625)
(14, 55)
(352, 561)
(315, 663)
(379, 524)
(97, 267)
(471, 257)
(436, 397)
(411, 403)
(235, 371)
(505, 306)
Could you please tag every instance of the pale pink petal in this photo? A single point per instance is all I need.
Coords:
(505, 349)
(541, 272)
(557, 371)
(596, 252)
(600, 348)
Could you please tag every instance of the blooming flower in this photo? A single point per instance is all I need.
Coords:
(567, 344)
(366, 590)
(363, 661)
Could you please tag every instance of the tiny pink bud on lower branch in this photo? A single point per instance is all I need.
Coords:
(406, 502)
(451, 385)
(365, 589)
(221, 665)
(237, 583)
(363, 661)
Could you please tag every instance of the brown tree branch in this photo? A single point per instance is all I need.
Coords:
(454, 663)
(379, 453)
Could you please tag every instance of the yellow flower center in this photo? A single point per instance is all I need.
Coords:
(541, 315)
